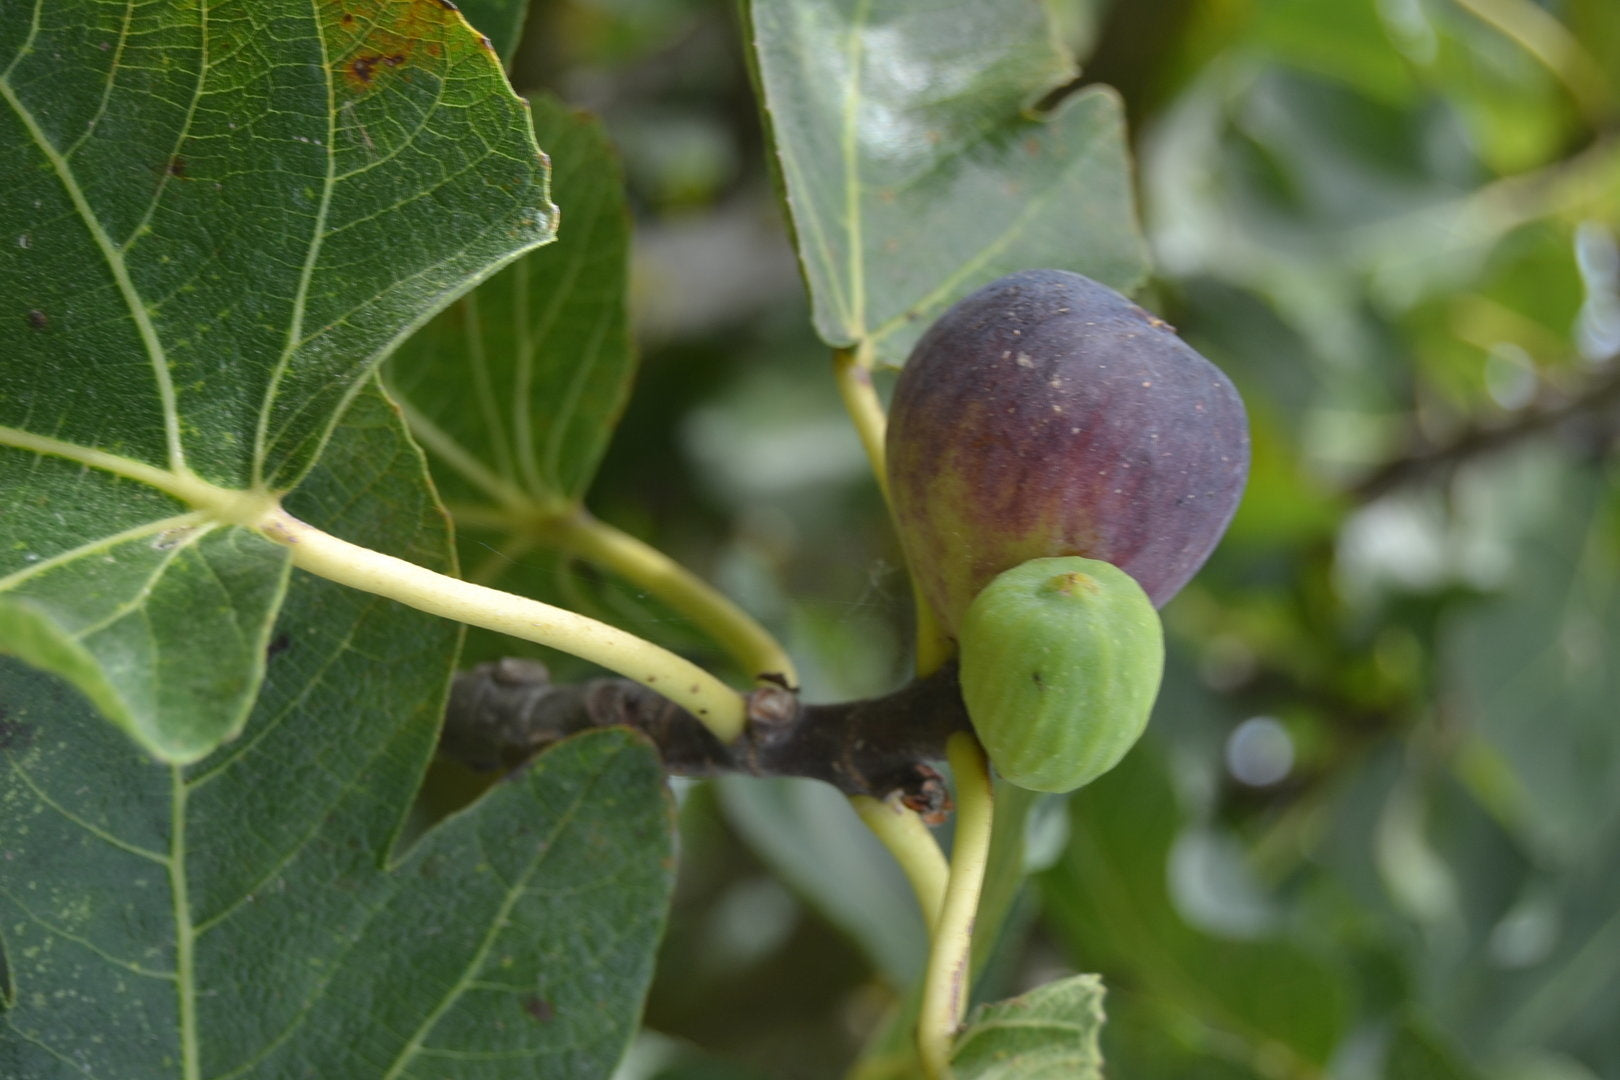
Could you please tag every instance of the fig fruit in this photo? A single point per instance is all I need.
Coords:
(1047, 415)
(1061, 661)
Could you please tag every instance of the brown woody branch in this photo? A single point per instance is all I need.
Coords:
(1596, 404)
(502, 714)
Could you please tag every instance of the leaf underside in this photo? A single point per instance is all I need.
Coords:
(914, 166)
(217, 220)
(1050, 1032)
(235, 917)
(514, 389)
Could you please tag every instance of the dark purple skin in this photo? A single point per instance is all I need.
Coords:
(1045, 415)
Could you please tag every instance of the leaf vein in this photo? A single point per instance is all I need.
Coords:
(119, 270)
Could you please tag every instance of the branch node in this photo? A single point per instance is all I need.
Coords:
(501, 714)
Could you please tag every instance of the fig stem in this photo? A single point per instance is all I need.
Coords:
(538, 513)
(720, 708)
(748, 643)
(899, 829)
(852, 370)
(944, 996)
(576, 531)
(908, 840)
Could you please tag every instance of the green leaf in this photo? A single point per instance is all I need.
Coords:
(116, 618)
(805, 832)
(1417, 1053)
(522, 420)
(1108, 897)
(219, 220)
(239, 917)
(499, 20)
(1532, 660)
(1051, 1031)
(515, 392)
(915, 167)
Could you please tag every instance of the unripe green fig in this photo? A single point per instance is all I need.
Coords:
(1060, 662)
(1046, 414)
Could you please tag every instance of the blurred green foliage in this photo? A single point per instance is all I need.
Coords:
(1373, 832)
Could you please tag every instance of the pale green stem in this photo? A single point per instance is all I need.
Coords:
(717, 705)
(573, 529)
(900, 830)
(568, 525)
(1540, 33)
(912, 846)
(944, 997)
(852, 369)
(933, 646)
(733, 629)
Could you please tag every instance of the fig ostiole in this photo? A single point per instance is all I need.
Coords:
(1060, 664)
(1046, 414)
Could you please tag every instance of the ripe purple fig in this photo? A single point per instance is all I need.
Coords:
(1047, 415)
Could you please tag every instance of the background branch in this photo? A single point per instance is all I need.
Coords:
(1597, 403)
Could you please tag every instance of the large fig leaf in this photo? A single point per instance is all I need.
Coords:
(916, 168)
(542, 349)
(217, 219)
(242, 917)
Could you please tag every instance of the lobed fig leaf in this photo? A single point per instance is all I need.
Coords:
(1061, 661)
(1046, 415)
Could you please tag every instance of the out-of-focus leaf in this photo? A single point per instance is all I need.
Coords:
(915, 169)
(806, 831)
(1532, 668)
(1350, 42)
(1418, 1054)
(1138, 1041)
(1050, 1032)
(1109, 900)
(499, 20)
(239, 916)
(218, 220)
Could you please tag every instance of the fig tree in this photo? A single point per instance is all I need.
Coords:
(1046, 415)
(1061, 660)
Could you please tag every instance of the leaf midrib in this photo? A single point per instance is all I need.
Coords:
(497, 924)
(1033, 206)
(185, 940)
(306, 274)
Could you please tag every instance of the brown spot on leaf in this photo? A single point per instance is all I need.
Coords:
(365, 67)
(37, 319)
(280, 644)
(15, 735)
(539, 1009)
(176, 167)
